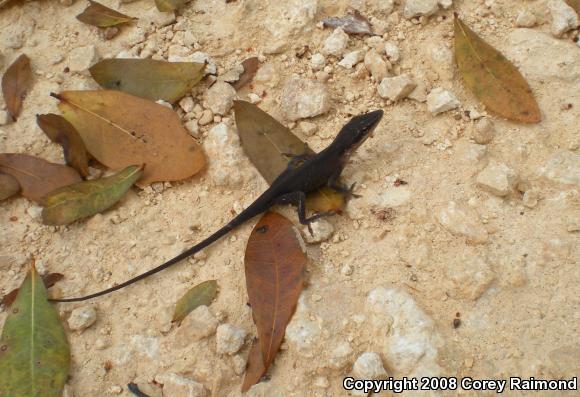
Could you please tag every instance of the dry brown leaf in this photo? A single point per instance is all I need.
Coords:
(120, 130)
(62, 132)
(101, 16)
(274, 264)
(15, 84)
(9, 186)
(37, 176)
(352, 23)
(251, 66)
(493, 79)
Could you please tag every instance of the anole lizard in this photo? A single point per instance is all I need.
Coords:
(304, 174)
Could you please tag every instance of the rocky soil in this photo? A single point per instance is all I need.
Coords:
(460, 259)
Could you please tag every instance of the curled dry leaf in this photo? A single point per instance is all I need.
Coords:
(251, 66)
(169, 5)
(34, 352)
(274, 264)
(148, 78)
(62, 132)
(9, 186)
(266, 142)
(120, 130)
(352, 23)
(49, 280)
(98, 15)
(200, 295)
(134, 388)
(36, 176)
(15, 84)
(492, 78)
(80, 200)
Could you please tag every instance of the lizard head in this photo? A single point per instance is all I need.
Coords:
(357, 130)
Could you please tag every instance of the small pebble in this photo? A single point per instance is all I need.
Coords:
(82, 318)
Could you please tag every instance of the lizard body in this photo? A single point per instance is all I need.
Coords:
(304, 174)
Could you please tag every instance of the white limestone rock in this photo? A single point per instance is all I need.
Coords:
(542, 57)
(340, 355)
(336, 43)
(483, 131)
(392, 52)
(222, 145)
(563, 167)
(526, 19)
(395, 88)
(197, 325)
(497, 178)
(82, 318)
(177, 385)
(564, 18)
(229, 339)
(417, 8)
(471, 276)
(303, 98)
(4, 117)
(322, 230)
(440, 100)
(411, 344)
(317, 61)
(463, 221)
(369, 366)
(351, 59)
(81, 59)
(220, 97)
(376, 65)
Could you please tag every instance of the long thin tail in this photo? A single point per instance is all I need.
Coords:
(196, 248)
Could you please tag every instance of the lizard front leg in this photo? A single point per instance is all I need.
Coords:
(348, 192)
(299, 200)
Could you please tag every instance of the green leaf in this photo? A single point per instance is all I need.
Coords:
(98, 15)
(148, 78)
(59, 130)
(34, 352)
(169, 5)
(80, 200)
(200, 295)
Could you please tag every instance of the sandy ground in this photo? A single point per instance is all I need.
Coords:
(403, 262)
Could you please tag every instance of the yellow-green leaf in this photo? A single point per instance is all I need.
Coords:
(201, 294)
(80, 200)
(148, 78)
(169, 5)
(492, 78)
(34, 352)
(120, 130)
(98, 15)
(62, 132)
(267, 144)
